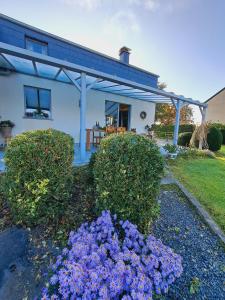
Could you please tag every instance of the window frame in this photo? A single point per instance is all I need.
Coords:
(43, 43)
(25, 104)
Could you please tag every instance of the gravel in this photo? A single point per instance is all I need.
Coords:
(181, 228)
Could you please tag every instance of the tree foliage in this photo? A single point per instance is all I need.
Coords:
(166, 114)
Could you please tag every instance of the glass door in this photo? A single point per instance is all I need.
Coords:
(117, 114)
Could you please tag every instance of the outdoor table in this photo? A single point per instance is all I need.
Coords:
(95, 138)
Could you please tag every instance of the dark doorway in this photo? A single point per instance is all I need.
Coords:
(124, 111)
(117, 114)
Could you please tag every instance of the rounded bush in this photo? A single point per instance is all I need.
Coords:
(38, 174)
(127, 172)
(223, 134)
(184, 139)
(110, 259)
(214, 139)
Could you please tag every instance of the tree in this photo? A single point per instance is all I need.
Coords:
(162, 85)
(166, 113)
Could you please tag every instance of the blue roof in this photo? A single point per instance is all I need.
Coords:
(14, 32)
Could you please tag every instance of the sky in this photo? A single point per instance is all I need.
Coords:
(183, 41)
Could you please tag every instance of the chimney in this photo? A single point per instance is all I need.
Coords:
(124, 54)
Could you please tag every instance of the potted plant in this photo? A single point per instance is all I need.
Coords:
(40, 114)
(149, 130)
(171, 150)
(6, 128)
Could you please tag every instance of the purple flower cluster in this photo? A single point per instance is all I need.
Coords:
(108, 259)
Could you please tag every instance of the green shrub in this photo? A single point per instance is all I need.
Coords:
(127, 173)
(195, 153)
(223, 134)
(170, 148)
(214, 139)
(220, 126)
(184, 139)
(39, 175)
(163, 131)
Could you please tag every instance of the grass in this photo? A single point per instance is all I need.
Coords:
(205, 178)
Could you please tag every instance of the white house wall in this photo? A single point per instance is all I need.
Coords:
(65, 106)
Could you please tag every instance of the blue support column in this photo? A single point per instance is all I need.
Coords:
(203, 113)
(177, 123)
(83, 100)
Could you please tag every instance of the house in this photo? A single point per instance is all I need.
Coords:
(49, 82)
(216, 107)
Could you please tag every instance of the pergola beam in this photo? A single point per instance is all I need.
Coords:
(74, 81)
(35, 67)
(8, 62)
(91, 85)
(27, 54)
(57, 74)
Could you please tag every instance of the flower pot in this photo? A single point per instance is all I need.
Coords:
(6, 132)
(172, 155)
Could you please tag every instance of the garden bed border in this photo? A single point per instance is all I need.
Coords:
(198, 207)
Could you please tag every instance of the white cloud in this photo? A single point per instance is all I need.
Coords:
(151, 5)
(121, 24)
(86, 4)
(167, 6)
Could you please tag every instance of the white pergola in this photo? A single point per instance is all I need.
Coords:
(27, 62)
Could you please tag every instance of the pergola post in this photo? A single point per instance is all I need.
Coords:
(177, 122)
(203, 113)
(83, 100)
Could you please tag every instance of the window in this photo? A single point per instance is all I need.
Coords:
(37, 102)
(36, 46)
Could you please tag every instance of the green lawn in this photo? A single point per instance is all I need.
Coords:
(205, 178)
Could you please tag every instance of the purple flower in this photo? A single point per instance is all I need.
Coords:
(99, 265)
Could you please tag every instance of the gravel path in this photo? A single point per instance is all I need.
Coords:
(181, 228)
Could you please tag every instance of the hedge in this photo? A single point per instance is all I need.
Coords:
(214, 139)
(162, 131)
(221, 127)
(127, 172)
(223, 134)
(184, 138)
(38, 175)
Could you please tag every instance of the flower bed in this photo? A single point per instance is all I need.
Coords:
(108, 259)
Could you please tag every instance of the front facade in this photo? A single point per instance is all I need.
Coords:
(216, 108)
(38, 99)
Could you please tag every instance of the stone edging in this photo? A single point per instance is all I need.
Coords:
(200, 210)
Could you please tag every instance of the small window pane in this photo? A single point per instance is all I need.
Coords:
(45, 99)
(36, 46)
(111, 113)
(31, 97)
